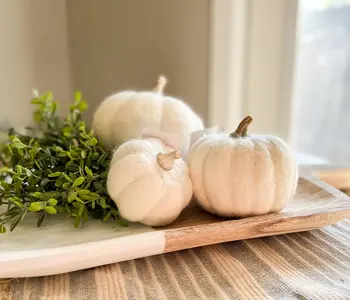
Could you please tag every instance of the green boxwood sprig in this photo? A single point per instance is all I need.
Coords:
(55, 167)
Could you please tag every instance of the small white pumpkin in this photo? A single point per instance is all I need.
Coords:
(122, 116)
(149, 182)
(239, 175)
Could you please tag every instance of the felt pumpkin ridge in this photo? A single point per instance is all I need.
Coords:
(267, 160)
(146, 185)
(166, 160)
(123, 115)
(242, 128)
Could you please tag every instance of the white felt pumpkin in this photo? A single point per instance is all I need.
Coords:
(239, 175)
(149, 182)
(122, 116)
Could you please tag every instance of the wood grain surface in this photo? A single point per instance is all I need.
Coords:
(315, 204)
(339, 178)
(336, 176)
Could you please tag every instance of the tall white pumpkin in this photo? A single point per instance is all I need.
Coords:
(123, 116)
(149, 182)
(240, 175)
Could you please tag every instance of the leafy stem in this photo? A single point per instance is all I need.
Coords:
(56, 167)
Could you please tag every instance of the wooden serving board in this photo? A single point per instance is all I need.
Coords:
(58, 248)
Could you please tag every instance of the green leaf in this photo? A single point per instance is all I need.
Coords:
(24, 213)
(17, 186)
(88, 171)
(72, 176)
(18, 204)
(122, 223)
(95, 195)
(77, 204)
(72, 167)
(4, 170)
(37, 117)
(83, 106)
(103, 203)
(60, 181)
(15, 222)
(81, 126)
(90, 197)
(56, 174)
(67, 178)
(95, 156)
(62, 154)
(28, 172)
(68, 209)
(85, 215)
(53, 166)
(72, 151)
(66, 186)
(77, 97)
(107, 216)
(2, 228)
(52, 194)
(72, 197)
(67, 131)
(83, 135)
(5, 185)
(16, 201)
(19, 169)
(69, 155)
(98, 186)
(93, 142)
(52, 201)
(40, 196)
(41, 218)
(84, 192)
(77, 222)
(36, 206)
(54, 107)
(79, 200)
(78, 181)
(33, 152)
(81, 210)
(44, 182)
(36, 100)
(61, 209)
(102, 158)
(51, 210)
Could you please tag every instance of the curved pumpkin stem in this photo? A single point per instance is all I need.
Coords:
(242, 128)
(166, 160)
(162, 81)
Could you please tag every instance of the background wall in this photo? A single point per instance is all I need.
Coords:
(33, 54)
(126, 43)
(100, 49)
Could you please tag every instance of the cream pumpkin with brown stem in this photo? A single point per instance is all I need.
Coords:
(149, 182)
(123, 116)
(240, 175)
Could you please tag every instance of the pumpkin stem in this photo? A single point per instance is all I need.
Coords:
(162, 81)
(242, 128)
(166, 160)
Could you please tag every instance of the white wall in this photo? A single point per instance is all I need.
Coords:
(119, 44)
(33, 54)
(252, 64)
(100, 48)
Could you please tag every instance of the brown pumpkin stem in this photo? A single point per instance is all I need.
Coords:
(162, 81)
(166, 160)
(242, 128)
